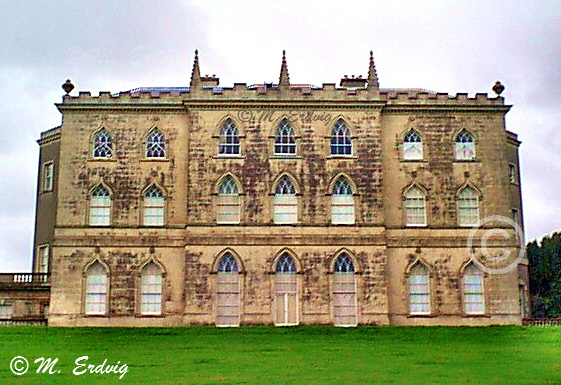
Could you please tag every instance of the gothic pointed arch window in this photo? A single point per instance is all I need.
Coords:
(151, 279)
(474, 295)
(419, 289)
(285, 202)
(342, 202)
(96, 290)
(154, 207)
(229, 139)
(155, 144)
(468, 207)
(412, 146)
(102, 144)
(285, 139)
(286, 291)
(465, 146)
(344, 292)
(415, 212)
(228, 202)
(100, 207)
(227, 291)
(341, 141)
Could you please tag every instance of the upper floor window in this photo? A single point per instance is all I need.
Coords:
(419, 289)
(285, 140)
(229, 139)
(43, 256)
(341, 142)
(285, 202)
(48, 176)
(286, 264)
(96, 290)
(468, 207)
(227, 264)
(102, 145)
(465, 146)
(415, 213)
(100, 207)
(343, 264)
(412, 146)
(153, 207)
(151, 290)
(342, 202)
(512, 173)
(155, 145)
(474, 298)
(228, 203)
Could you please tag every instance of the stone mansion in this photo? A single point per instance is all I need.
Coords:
(278, 203)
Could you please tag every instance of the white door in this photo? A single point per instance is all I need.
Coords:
(344, 299)
(286, 299)
(227, 299)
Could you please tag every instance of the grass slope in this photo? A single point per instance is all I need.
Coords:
(301, 355)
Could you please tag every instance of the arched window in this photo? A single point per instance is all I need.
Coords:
(465, 146)
(227, 292)
(153, 207)
(285, 202)
(151, 290)
(227, 264)
(419, 289)
(100, 207)
(342, 202)
(228, 203)
(474, 298)
(286, 291)
(96, 290)
(344, 292)
(341, 142)
(102, 145)
(285, 141)
(229, 139)
(415, 213)
(285, 264)
(155, 145)
(468, 207)
(412, 146)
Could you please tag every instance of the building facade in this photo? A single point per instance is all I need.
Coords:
(278, 204)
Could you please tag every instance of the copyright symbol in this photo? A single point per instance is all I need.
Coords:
(75, 55)
(19, 365)
(502, 264)
(245, 115)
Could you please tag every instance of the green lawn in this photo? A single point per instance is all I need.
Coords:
(300, 355)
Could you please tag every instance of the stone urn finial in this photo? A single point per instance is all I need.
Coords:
(68, 86)
(498, 88)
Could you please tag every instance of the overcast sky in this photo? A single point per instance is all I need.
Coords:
(111, 45)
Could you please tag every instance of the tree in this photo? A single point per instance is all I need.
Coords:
(545, 276)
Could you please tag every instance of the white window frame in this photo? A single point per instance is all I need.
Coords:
(285, 202)
(95, 302)
(48, 176)
(285, 139)
(342, 203)
(473, 291)
(229, 131)
(228, 202)
(415, 207)
(104, 147)
(153, 209)
(465, 150)
(151, 287)
(419, 290)
(468, 207)
(43, 256)
(155, 144)
(412, 148)
(341, 143)
(100, 207)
